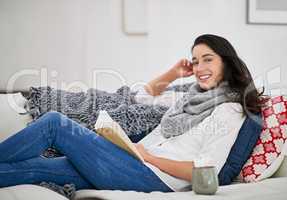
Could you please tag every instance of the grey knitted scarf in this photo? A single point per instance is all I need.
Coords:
(194, 107)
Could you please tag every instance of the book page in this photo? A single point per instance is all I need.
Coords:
(112, 131)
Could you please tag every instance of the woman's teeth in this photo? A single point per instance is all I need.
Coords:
(204, 77)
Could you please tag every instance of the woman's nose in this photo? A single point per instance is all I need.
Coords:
(200, 66)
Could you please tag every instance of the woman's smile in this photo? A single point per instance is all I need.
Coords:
(204, 77)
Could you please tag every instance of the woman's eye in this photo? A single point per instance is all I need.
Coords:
(208, 60)
(195, 63)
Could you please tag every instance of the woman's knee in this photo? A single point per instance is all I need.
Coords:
(53, 116)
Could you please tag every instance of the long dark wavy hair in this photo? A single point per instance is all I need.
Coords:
(236, 73)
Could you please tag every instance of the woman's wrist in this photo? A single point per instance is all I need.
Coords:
(148, 157)
(156, 86)
(172, 74)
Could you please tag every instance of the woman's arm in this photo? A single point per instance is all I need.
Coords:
(183, 68)
(179, 169)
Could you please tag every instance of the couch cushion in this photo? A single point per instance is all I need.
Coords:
(272, 188)
(10, 107)
(241, 149)
(29, 192)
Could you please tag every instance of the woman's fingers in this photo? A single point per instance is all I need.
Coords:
(183, 68)
(186, 62)
(190, 73)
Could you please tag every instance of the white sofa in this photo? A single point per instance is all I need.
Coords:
(271, 188)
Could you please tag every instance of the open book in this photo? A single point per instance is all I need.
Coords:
(112, 131)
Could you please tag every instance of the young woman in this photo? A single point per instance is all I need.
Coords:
(199, 129)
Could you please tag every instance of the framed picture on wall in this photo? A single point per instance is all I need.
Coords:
(267, 12)
(134, 17)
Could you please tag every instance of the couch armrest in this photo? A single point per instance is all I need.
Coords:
(282, 171)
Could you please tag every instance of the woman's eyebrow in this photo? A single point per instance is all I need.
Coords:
(208, 54)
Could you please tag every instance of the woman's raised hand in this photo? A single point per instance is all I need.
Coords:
(183, 68)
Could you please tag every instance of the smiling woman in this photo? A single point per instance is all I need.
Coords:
(198, 130)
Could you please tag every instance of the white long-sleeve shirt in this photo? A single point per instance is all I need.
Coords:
(206, 144)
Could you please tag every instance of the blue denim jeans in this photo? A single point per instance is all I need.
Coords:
(89, 161)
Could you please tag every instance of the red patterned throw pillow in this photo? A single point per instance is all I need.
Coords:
(271, 146)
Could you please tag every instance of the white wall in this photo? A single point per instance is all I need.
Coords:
(108, 48)
(34, 34)
(75, 37)
(69, 38)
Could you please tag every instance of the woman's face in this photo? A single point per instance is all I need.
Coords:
(207, 66)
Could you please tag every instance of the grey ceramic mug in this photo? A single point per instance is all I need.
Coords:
(204, 180)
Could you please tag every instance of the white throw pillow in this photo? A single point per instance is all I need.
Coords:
(11, 121)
